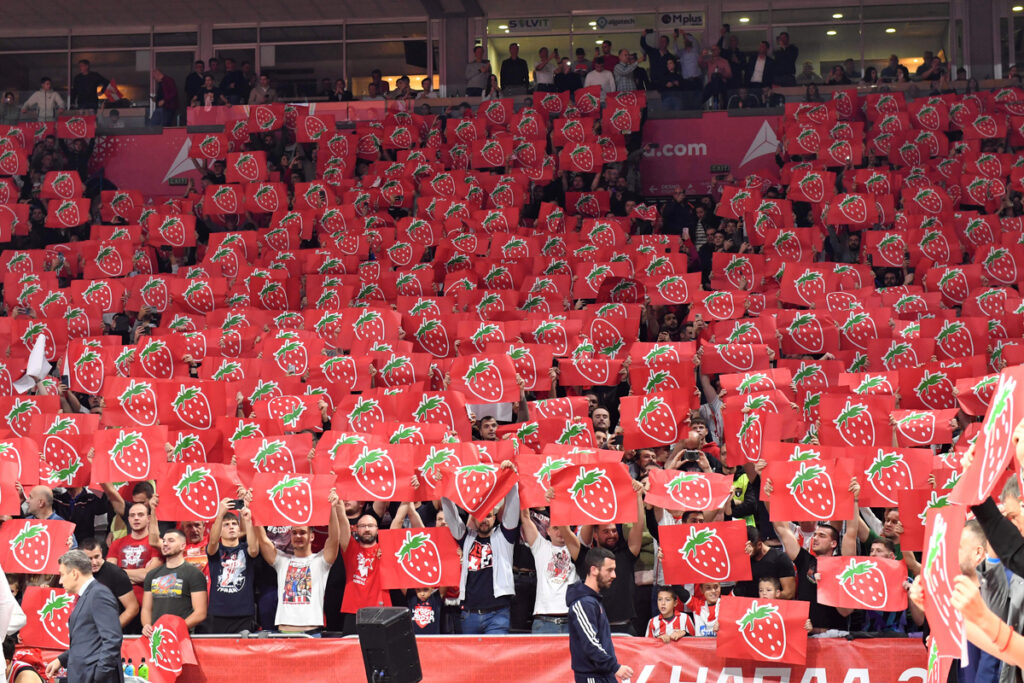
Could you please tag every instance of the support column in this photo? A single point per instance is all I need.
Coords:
(458, 50)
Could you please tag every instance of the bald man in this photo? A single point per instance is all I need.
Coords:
(40, 506)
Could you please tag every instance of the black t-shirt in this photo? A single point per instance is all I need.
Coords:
(231, 582)
(774, 563)
(426, 614)
(480, 572)
(81, 510)
(618, 599)
(116, 579)
(821, 616)
(172, 589)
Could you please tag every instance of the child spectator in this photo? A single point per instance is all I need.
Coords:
(425, 605)
(703, 608)
(669, 624)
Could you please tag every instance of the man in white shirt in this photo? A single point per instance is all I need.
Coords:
(544, 72)
(46, 101)
(302, 577)
(556, 571)
(602, 77)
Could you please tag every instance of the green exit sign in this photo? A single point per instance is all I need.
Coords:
(719, 168)
(178, 181)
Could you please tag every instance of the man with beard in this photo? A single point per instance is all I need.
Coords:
(486, 583)
(590, 636)
(362, 568)
(625, 548)
(177, 587)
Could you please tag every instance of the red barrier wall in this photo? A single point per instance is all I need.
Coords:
(685, 150)
(532, 659)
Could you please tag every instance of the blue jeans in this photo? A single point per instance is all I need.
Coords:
(671, 100)
(549, 627)
(491, 623)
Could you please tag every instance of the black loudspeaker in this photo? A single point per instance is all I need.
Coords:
(388, 645)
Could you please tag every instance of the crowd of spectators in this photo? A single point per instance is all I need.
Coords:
(236, 574)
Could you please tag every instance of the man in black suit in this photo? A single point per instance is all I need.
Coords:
(95, 633)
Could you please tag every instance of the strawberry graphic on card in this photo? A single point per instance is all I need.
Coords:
(764, 631)
(483, 380)
(30, 549)
(812, 490)
(593, 493)
(165, 650)
(130, 456)
(705, 552)
(197, 491)
(420, 559)
(292, 498)
(888, 474)
(855, 425)
(374, 472)
(55, 614)
(473, 485)
(863, 581)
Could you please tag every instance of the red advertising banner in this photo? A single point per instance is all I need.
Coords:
(685, 149)
(546, 658)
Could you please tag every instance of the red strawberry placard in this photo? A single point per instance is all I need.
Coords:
(764, 630)
(32, 546)
(677, 490)
(418, 558)
(815, 490)
(291, 499)
(654, 419)
(939, 567)
(994, 449)
(485, 379)
(695, 553)
(887, 471)
(477, 488)
(194, 491)
(47, 611)
(132, 454)
(168, 650)
(76, 127)
(593, 494)
(862, 583)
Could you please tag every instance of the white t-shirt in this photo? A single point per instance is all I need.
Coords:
(555, 572)
(301, 582)
(605, 79)
(545, 75)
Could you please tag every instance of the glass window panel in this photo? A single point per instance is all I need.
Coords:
(118, 66)
(283, 34)
(908, 42)
(737, 20)
(41, 43)
(525, 25)
(825, 51)
(1017, 48)
(172, 39)
(815, 14)
(907, 11)
(298, 69)
(391, 57)
(406, 29)
(234, 35)
(529, 47)
(631, 23)
(22, 73)
(114, 40)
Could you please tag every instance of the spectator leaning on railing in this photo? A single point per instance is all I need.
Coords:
(46, 102)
